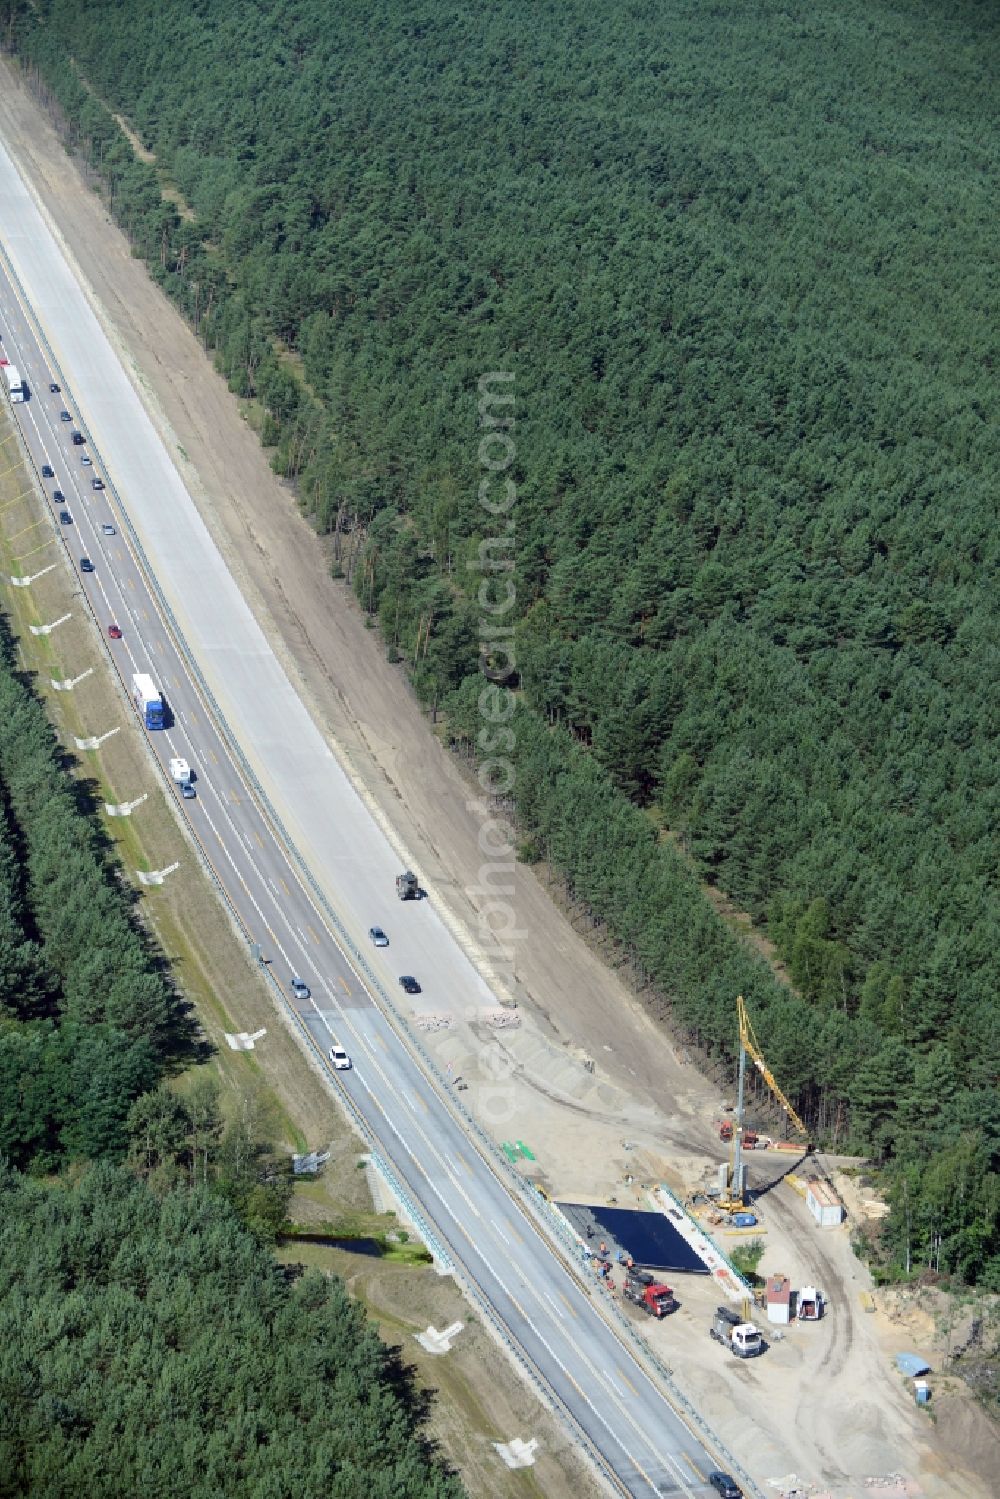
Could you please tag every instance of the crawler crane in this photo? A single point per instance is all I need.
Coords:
(732, 1201)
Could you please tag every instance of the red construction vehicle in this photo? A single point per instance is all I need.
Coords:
(726, 1129)
(749, 1139)
(651, 1294)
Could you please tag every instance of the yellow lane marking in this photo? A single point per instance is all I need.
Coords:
(344, 984)
(569, 1307)
(694, 1467)
(312, 934)
(259, 839)
(233, 797)
(627, 1381)
(215, 760)
(283, 885)
(464, 1164)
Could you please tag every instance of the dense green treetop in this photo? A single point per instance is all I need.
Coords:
(151, 1346)
(739, 262)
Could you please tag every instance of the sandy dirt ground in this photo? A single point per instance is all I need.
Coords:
(588, 1079)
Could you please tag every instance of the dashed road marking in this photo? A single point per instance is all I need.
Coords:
(693, 1465)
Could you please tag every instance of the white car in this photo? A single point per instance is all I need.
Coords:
(339, 1058)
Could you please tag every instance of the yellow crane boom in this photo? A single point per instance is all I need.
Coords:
(749, 1043)
(732, 1199)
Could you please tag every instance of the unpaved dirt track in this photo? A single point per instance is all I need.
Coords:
(369, 714)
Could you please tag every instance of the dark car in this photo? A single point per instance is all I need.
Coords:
(57, 496)
(409, 984)
(78, 438)
(64, 416)
(97, 483)
(65, 519)
(48, 472)
(54, 388)
(86, 566)
(114, 632)
(726, 1486)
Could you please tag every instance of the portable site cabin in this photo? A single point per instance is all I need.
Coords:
(779, 1299)
(824, 1204)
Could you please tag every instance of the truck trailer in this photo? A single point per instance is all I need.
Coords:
(147, 699)
(180, 771)
(15, 385)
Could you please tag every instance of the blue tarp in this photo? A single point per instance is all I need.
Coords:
(650, 1238)
(912, 1364)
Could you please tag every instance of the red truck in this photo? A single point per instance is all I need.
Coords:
(651, 1294)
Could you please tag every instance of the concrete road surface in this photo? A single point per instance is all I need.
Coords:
(303, 865)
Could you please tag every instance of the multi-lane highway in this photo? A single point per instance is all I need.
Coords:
(302, 863)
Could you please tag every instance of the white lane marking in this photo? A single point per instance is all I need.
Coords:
(410, 1152)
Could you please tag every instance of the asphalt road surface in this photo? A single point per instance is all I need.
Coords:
(161, 579)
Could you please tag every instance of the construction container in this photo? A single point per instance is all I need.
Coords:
(778, 1299)
(824, 1204)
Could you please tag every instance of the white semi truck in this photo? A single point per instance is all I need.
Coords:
(147, 698)
(15, 384)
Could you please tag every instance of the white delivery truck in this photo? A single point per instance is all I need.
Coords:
(15, 384)
(180, 771)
